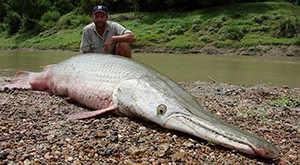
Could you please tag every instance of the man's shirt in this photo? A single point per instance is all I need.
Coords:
(92, 42)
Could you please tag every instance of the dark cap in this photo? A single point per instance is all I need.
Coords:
(100, 8)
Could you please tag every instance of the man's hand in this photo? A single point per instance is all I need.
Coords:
(106, 45)
(127, 38)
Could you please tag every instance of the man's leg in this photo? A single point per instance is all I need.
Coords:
(123, 49)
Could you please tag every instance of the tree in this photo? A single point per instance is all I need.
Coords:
(3, 11)
(13, 20)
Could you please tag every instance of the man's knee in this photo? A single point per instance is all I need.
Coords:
(123, 49)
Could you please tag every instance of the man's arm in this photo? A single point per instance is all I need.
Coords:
(85, 45)
(128, 37)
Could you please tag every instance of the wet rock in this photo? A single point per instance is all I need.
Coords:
(27, 162)
(100, 134)
(178, 156)
(133, 150)
(3, 155)
(163, 150)
(188, 144)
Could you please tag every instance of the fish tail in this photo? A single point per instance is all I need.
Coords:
(20, 81)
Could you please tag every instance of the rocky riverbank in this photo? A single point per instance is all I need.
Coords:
(259, 50)
(35, 130)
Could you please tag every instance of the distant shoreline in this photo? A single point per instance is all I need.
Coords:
(259, 50)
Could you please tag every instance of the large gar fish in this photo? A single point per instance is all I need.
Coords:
(124, 87)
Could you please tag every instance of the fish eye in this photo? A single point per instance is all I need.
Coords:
(161, 109)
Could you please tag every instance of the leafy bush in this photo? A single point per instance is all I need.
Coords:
(49, 19)
(196, 24)
(232, 33)
(288, 28)
(28, 24)
(237, 15)
(206, 39)
(73, 20)
(3, 27)
(13, 20)
(260, 18)
(215, 24)
(177, 30)
(261, 28)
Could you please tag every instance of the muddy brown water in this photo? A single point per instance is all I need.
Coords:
(241, 70)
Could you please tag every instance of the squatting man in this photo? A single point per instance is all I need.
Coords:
(104, 36)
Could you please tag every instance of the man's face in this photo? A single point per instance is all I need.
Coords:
(99, 19)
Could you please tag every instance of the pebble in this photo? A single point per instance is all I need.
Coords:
(27, 162)
(70, 158)
(188, 144)
(47, 156)
(3, 155)
(133, 150)
(100, 134)
(163, 150)
(35, 130)
(177, 156)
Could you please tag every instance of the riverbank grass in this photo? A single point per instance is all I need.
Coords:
(239, 25)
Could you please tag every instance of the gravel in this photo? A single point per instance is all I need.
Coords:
(35, 130)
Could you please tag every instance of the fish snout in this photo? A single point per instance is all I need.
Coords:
(223, 134)
(269, 151)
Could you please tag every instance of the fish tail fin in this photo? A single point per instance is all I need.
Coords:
(20, 81)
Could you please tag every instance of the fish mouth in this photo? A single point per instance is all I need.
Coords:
(219, 132)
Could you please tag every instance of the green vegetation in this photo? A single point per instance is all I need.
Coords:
(237, 25)
(258, 114)
(285, 101)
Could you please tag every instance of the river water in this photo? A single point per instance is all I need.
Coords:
(241, 70)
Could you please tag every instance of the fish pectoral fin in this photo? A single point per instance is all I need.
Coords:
(89, 114)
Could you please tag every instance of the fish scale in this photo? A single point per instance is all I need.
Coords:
(96, 75)
(108, 83)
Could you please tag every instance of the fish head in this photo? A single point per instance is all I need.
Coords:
(170, 106)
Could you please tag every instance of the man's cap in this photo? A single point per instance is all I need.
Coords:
(100, 8)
